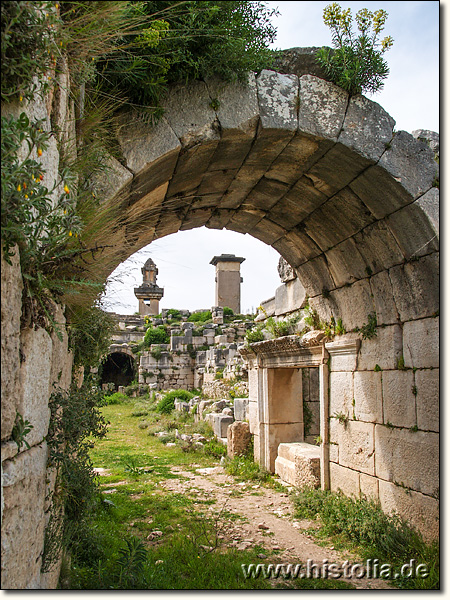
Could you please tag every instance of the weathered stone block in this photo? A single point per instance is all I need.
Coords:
(354, 304)
(344, 479)
(298, 464)
(322, 107)
(399, 405)
(35, 382)
(238, 439)
(356, 445)
(241, 409)
(383, 350)
(341, 393)
(368, 486)
(409, 458)
(346, 263)
(413, 231)
(221, 424)
(421, 343)
(378, 247)
(274, 435)
(343, 351)
(23, 518)
(429, 203)
(427, 399)
(277, 99)
(253, 417)
(383, 298)
(411, 162)
(368, 396)
(416, 288)
(11, 301)
(289, 297)
(367, 128)
(315, 276)
(419, 510)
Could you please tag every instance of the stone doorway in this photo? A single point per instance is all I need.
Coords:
(117, 369)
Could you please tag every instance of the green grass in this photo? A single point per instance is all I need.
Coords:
(116, 548)
(360, 524)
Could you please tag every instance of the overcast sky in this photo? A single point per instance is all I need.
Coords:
(410, 96)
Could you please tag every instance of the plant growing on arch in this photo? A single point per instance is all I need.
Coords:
(356, 63)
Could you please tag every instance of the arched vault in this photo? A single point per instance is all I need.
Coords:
(298, 164)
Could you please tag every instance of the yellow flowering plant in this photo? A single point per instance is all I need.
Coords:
(356, 63)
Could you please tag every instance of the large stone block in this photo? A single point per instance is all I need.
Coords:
(35, 382)
(378, 247)
(419, 510)
(411, 162)
(315, 276)
(367, 128)
(221, 424)
(346, 263)
(416, 288)
(421, 343)
(241, 409)
(11, 301)
(383, 298)
(238, 439)
(409, 458)
(429, 203)
(274, 435)
(277, 99)
(399, 403)
(23, 518)
(298, 464)
(289, 297)
(343, 479)
(356, 445)
(413, 231)
(368, 396)
(343, 351)
(384, 350)
(368, 486)
(427, 399)
(322, 107)
(341, 393)
(354, 304)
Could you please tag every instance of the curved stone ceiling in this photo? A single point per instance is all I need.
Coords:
(298, 164)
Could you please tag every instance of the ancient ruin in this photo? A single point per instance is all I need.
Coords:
(228, 281)
(351, 205)
(148, 293)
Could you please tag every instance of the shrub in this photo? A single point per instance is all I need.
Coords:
(116, 398)
(167, 403)
(356, 63)
(156, 335)
(254, 335)
(228, 312)
(201, 316)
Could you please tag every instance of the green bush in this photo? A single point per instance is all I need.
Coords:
(228, 312)
(356, 63)
(167, 403)
(201, 316)
(116, 398)
(156, 335)
(254, 335)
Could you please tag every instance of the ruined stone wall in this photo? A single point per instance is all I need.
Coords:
(32, 362)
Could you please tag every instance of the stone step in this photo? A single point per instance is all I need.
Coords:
(298, 464)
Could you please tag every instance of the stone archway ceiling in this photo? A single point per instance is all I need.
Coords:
(292, 161)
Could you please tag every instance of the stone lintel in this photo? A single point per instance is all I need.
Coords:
(343, 346)
(284, 352)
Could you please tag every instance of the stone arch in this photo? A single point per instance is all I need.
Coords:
(298, 164)
(118, 366)
(353, 207)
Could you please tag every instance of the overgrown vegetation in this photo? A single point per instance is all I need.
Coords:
(167, 403)
(374, 534)
(356, 63)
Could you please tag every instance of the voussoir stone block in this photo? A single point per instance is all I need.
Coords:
(413, 231)
(277, 99)
(238, 108)
(354, 304)
(383, 298)
(322, 107)
(421, 343)
(411, 162)
(416, 287)
(408, 458)
(429, 203)
(142, 143)
(367, 128)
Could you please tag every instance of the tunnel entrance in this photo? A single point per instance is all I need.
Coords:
(118, 369)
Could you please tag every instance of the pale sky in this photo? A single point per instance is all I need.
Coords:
(410, 96)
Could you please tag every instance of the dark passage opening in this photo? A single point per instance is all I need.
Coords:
(118, 369)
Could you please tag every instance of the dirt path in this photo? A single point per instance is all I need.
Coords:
(266, 519)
